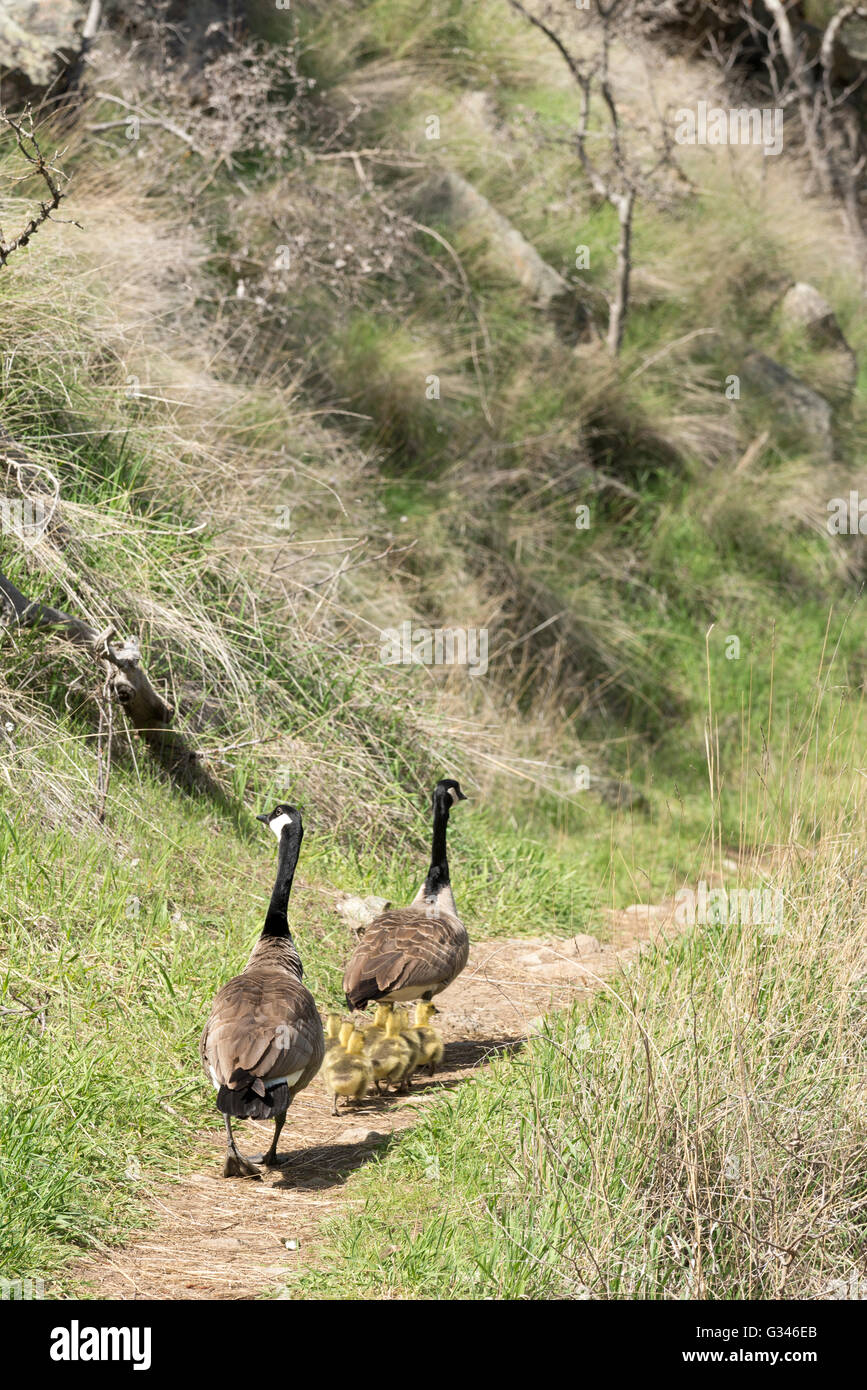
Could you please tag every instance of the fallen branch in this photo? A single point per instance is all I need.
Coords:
(127, 681)
(26, 1010)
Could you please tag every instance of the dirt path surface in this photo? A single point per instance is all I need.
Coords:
(214, 1238)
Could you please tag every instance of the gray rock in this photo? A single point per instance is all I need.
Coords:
(358, 1134)
(805, 309)
(451, 196)
(586, 945)
(455, 197)
(791, 394)
(360, 912)
(39, 39)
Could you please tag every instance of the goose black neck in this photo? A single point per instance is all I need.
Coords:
(276, 923)
(438, 873)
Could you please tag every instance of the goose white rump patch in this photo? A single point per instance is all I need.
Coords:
(410, 992)
(278, 1080)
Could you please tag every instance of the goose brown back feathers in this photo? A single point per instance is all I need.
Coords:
(414, 952)
(263, 1041)
(263, 1026)
(408, 953)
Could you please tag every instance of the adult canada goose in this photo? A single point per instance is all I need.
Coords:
(414, 952)
(263, 1042)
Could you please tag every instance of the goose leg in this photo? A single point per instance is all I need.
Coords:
(269, 1159)
(236, 1165)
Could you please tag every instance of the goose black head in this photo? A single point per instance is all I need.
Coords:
(280, 817)
(447, 793)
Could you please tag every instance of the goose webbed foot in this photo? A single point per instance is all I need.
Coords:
(236, 1165)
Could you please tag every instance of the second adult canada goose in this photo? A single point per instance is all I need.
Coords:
(414, 952)
(263, 1042)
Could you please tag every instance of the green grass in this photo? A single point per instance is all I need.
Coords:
(699, 1132)
(309, 393)
(122, 943)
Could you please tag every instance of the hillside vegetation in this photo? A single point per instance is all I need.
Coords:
(218, 356)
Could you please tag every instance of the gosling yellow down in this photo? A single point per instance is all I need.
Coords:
(391, 1058)
(332, 1031)
(409, 1035)
(346, 1070)
(429, 1040)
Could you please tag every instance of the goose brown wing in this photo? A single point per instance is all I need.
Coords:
(264, 1023)
(405, 949)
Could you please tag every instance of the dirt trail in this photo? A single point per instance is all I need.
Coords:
(219, 1239)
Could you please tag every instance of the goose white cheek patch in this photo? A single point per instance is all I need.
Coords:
(278, 823)
(454, 796)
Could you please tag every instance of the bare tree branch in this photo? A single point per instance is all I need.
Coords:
(39, 166)
(620, 179)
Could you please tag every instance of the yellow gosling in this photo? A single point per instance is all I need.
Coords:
(346, 1031)
(430, 1041)
(332, 1031)
(391, 1057)
(375, 1031)
(348, 1071)
(408, 1035)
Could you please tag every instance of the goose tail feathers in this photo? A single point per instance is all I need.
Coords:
(247, 1098)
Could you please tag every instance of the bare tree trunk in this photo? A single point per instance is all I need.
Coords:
(625, 205)
(127, 682)
(805, 91)
(615, 174)
(832, 125)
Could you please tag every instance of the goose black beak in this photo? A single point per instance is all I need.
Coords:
(264, 818)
